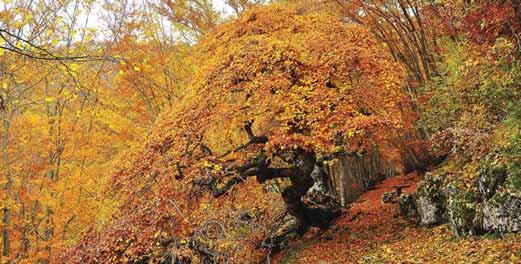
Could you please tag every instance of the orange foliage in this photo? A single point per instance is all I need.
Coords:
(278, 78)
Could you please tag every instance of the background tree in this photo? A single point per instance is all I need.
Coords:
(61, 104)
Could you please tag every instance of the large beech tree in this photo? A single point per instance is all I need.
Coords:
(275, 92)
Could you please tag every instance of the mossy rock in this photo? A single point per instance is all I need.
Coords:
(464, 213)
(430, 200)
(493, 175)
(407, 206)
(502, 213)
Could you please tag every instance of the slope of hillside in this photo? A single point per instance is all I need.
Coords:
(373, 232)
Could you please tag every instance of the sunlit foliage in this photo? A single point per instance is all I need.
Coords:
(280, 79)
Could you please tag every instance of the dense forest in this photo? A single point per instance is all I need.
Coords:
(260, 131)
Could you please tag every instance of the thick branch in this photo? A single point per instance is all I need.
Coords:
(275, 173)
(228, 186)
(263, 174)
(253, 139)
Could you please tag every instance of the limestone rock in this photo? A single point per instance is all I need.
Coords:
(502, 215)
(430, 200)
(430, 211)
(462, 213)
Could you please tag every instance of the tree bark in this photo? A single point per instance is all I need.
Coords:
(6, 243)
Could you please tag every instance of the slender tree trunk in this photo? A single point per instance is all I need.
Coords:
(25, 236)
(6, 247)
(5, 232)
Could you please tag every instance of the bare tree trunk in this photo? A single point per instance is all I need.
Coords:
(8, 183)
(25, 233)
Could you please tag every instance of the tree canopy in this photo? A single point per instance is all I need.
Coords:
(275, 92)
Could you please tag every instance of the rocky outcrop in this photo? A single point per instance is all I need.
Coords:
(350, 175)
(463, 212)
(502, 215)
(488, 207)
(430, 212)
(430, 201)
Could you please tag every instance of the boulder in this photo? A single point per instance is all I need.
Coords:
(463, 212)
(502, 215)
(431, 212)
(430, 200)
(388, 197)
(488, 207)
(407, 205)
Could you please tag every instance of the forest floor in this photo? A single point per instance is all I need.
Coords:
(373, 232)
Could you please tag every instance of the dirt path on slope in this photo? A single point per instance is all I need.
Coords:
(367, 224)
